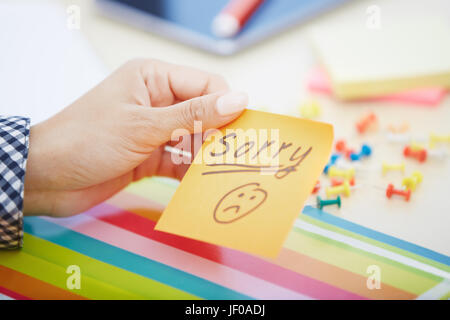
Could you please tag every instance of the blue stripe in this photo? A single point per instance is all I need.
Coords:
(128, 261)
(382, 237)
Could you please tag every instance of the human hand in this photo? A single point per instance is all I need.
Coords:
(116, 133)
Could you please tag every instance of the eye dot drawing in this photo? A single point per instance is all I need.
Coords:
(239, 202)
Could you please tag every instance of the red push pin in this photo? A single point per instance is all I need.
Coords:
(316, 187)
(337, 182)
(349, 153)
(341, 147)
(390, 191)
(366, 122)
(420, 155)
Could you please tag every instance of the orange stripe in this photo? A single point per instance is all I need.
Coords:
(337, 277)
(33, 288)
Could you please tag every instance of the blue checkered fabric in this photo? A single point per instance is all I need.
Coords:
(14, 132)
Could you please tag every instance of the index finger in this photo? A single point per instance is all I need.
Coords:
(170, 83)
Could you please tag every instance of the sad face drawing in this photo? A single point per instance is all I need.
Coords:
(239, 202)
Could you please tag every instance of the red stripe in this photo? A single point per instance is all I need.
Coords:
(234, 259)
(12, 294)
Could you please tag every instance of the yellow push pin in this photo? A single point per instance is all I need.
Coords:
(410, 183)
(346, 174)
(385, 167)
(343, 189)
(434, 139)
(310, 109)
(415, 146)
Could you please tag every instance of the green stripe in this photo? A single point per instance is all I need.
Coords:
(374, 242)
(140, 286)
(445, 296)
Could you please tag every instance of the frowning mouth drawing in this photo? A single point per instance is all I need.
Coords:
(239, 202)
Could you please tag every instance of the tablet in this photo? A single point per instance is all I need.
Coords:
(189, 21)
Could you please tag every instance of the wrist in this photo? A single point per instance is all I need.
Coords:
(34, 201)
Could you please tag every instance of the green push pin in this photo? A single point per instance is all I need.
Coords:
(322, 203)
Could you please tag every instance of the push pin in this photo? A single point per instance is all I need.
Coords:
(322, 203)
(334, 157)
(420, 155)
(343, 189)
(341, 147)
(434, 139)
(337, 182)
(410, 183)
(439, 154)
(415, 146)
(366, 122)
(346, 174)
(365, 152)
(310, 109)
(390, 190)
(385, 167)
(316, 187)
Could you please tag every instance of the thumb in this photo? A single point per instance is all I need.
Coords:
(213, 110)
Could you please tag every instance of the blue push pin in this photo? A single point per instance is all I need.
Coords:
(365, 152)
(331, 163)
(322, 203)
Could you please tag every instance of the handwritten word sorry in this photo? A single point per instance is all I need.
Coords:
(237, 152)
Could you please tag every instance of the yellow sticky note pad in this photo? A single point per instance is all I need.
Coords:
(249, 182)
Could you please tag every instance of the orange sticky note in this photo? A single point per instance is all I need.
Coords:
(249, 182)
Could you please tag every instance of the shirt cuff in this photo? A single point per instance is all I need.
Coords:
(14, 134)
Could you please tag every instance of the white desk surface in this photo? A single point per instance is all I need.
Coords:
(273, 73)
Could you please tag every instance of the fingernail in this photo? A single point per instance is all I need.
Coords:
(231, 102)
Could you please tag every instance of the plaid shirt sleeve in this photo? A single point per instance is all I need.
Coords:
(14, 132)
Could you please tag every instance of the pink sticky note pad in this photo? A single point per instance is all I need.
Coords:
(318, 81)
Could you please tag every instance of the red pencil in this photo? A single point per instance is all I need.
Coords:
(233, 17)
